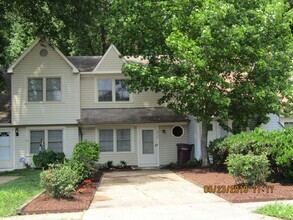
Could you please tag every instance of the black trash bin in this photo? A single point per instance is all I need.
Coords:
(183, 153)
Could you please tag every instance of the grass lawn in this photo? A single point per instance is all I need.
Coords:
(15, 193)
(277, 210)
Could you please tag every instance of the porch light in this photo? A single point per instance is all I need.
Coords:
(16, 132)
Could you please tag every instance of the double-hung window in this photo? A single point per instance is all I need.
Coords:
(115, 140)
(112, 90)
(46, 139)
(44, 89)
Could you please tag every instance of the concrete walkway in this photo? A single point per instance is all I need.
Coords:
(6, 179)
(155, 194)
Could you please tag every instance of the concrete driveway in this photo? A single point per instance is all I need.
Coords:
(159, 194)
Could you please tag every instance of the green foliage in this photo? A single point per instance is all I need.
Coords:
(85, 157)
(44, 158)
(15, 193)
(194, 163)
(248, 169)
(277, 145)
(278, 210)
(109, 163)
(86, 149)
(173, 166)
(59, 180)
(122, 164)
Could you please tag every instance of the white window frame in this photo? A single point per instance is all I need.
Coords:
(115, 139)
(113, 91)
(45, 129)
(182, 131)
(44, 89)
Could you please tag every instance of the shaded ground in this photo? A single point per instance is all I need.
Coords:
(218, 183)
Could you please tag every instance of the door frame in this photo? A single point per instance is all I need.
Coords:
(12, 144)
(139, 145)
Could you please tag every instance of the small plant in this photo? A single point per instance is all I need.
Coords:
(248, 169)
(173, 166)
(44, 158)
(109, 163)
(194, 163)
(59, 180)
(123, 164)
(85, 185)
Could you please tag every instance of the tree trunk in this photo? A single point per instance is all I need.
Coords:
(103, 38)
(204, 143)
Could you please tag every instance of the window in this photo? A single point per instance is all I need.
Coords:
(123, 140)
(106, 140)
(115, 140)
(46, 139)
(53, 89)
(55, 140)
(121, 90)
(37, 141)
(112, 90)
(177, 131)
(105, 90)
(37, 88)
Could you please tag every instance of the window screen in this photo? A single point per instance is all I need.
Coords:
(121, 90)
(53, 89)
(106, 140)
(37, 139)
(55, 140)
(123, 139)
(35, 90)
(105, 90)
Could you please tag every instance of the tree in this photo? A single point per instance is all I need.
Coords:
(226, 59)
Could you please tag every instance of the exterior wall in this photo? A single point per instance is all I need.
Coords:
(167, 143)
(88, 92)
(22, 142)
(111, 62)
(66, 111)
(273, 124)
(91, 134)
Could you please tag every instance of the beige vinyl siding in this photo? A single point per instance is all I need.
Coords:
(88, 90)
(22, 142)
(110, 62)
(167, 143)
(130, 157)
(66, 111)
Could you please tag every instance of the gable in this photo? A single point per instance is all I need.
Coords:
(111, 62)
(40, 54)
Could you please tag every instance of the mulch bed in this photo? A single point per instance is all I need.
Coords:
(218, 182)
(80, 200)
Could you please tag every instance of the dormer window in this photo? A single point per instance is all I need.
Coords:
(112, 90)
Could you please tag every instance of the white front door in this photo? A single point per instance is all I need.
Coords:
(148, 149)
(5, 150)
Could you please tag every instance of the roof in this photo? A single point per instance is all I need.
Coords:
(85, 63)
(129, 116)
(5, 99)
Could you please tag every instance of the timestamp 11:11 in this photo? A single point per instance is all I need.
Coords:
(263, 189)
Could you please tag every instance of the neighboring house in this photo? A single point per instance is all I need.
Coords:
(57, 101)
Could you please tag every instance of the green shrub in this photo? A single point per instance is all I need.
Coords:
(59, 180)
(86, 149)
(44, 158)
(194, 163)
(173, 166)
(85, 158)
(122, 164)
(277, 145)
(109, 163)
(248, 169)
